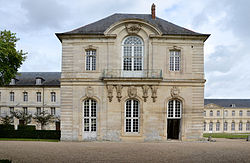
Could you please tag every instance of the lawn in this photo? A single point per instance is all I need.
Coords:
(227, 135)
(24, 139)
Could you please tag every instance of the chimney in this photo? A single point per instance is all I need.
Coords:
(153, 11)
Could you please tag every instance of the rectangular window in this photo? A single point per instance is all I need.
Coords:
(12, 96)
(25, 110)
(225, 126)
(218, 126)
(53, 96)
(38, 110)
(0, 96)
(241, 113)
(211, 113)
(240, 126)
(38, 96)
(225, 113)
(52, 110)
(248, 113)
(204, 113)
(218, 113)
(233, 113)
(25, 96)
(248, 126)
(91, 60)
(233, 126)
(204, 126)
(211, 126)
(174, 60)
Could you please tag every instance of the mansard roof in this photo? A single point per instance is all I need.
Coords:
(238, 103)
(99, 27)
(29, 78)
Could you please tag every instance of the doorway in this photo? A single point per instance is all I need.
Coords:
(173, 129)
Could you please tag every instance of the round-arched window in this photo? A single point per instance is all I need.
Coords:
(174, 109)
(132, 53)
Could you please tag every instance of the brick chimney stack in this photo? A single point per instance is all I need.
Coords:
(153, 11)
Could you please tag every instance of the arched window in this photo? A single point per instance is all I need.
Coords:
(233, 126)
(225, 126)
(211, 126)
(204, 126)
(174, 109)
(240, 126)
(217, 126)
(248, 126)
(132, 114)
(132, 54)
(89, 115)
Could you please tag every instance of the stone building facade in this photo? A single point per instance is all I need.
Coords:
(132, 77)
(226, 115)
(32, 92)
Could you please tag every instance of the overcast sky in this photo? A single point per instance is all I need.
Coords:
(227, 52)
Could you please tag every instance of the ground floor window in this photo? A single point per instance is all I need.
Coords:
(248, 126)
(132, 109)
(211, 126)
(240, 126)
(233, 126)
(225, 126)
(204, 125)
(89, 115)
(218, 126)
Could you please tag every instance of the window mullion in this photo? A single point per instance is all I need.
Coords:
(132, 57)
(132, 114)
(90, 101)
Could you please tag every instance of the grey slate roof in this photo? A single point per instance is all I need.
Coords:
(239, 103)
(29, 78)
(164, 26)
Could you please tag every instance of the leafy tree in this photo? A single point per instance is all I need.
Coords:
(7, 120)
(22, 116)
(44, 118)
(10, 58)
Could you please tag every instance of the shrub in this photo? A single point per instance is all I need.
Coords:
(26, 127)
(6, 127)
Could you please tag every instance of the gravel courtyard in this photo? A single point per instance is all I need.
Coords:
(31, 151)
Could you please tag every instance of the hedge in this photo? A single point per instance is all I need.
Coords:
(26, 127)
(6, 127)
(32, 134)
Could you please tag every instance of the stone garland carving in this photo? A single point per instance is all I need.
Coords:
(154, 92)
(110, 92)
(133, 28)
(132, 91)
(145, 92)
(175, 92)
(89, 92)
(119, 92)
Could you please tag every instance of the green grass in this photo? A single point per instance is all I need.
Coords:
(227, 135)
(5, 161)
(24, 139)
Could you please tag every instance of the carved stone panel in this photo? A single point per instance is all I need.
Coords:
(110, 92)
(145, 92)
(132, 91)
(154, 92)
(133, 28)
(119, 92)
(175, 91)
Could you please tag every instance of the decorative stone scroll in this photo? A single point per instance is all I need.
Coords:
(89, 91)
(175, 91)
(110, 92)
(119, 92)
(133, 28)
(154, 92)
(132, 91)
(145, 92)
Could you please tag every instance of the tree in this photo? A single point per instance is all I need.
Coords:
(10, 58)
(44, 118)
(7, 120)
(23, 118)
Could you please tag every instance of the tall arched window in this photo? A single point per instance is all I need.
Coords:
(132, 54)
(89, 115)
(132, 114)
(174, 109)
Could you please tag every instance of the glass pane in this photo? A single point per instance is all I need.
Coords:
(93, 124)
(86, 124)
(128, 108)
(170, 109)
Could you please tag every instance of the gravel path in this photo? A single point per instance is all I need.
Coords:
(221, 151)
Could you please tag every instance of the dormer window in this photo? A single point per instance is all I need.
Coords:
(13, 82)
(233, 105)
(38, 81)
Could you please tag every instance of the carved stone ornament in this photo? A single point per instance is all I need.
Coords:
(119, 92)
(110, 92)
(132, 91)
(175, 92)
(89, 91)
(154, 92)
(145, 92)
(133, 28)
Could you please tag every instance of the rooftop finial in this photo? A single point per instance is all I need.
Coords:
(153, 11)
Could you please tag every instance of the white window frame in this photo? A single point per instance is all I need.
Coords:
(233, 112)
(132, 54)
(174, 110)
(53, 96)
(225, 126)
(38, 97)
(174, 60)
(248, 126)
(233, 126)
(12, 96)
(25, 96)
(218, 113)
(240, 113)
(92, 115)
(38, 81)
(210, 126)
(53, 111)
(132, 118)
(240, 126)
(225, 113)
(90, 60)
(217, 126)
